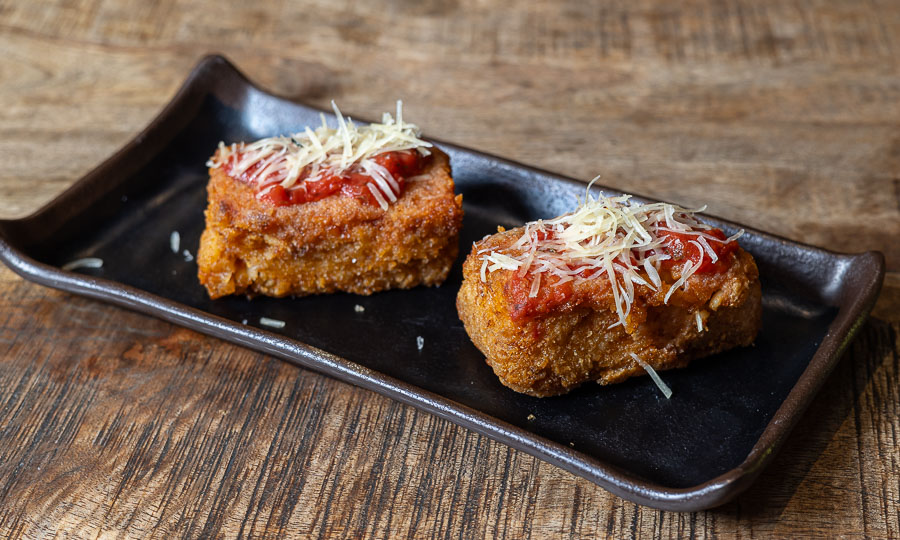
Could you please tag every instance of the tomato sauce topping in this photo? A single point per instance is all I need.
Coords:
(551, 293)
(352, 182)
(681, 249)
(630, 246)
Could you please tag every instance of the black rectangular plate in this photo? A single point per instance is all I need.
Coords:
(700, 448)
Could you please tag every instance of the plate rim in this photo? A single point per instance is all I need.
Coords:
(212, 73)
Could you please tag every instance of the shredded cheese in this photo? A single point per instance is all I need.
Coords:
(311, 155)
(272, 323)
(87, 262)
(611, 238)
(663, 387)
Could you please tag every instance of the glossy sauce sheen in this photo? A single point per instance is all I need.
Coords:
(550, 295)
(681, 251)
(351, 182)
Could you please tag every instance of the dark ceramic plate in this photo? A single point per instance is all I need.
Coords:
(727, 416)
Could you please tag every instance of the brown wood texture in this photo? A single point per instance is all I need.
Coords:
(784, 115)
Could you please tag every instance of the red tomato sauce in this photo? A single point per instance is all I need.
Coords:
(550, 294)
(351, 182)
(679, 247)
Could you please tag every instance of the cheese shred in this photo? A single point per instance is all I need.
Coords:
(663, 387)
(271, 323)
(87, 262)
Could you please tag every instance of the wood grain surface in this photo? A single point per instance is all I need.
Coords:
(784, 115)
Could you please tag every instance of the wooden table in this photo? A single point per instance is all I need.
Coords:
(781, 115)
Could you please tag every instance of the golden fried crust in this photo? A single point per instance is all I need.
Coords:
(334, 244)
(573, 344)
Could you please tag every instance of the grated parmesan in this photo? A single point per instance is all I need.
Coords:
(312, 155)
(606, 237)
(663, 387)
(272, 323)
(87, 262)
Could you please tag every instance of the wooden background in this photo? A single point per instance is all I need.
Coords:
(781, 114)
